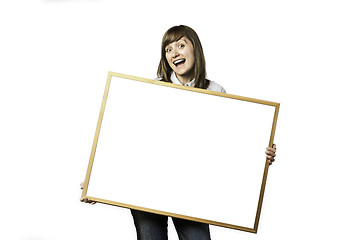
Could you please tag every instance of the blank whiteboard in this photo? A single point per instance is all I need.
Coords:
(181, 152)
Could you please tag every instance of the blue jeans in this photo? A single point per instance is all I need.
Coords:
(151, 226)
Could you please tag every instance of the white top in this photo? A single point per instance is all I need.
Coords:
(213, 86)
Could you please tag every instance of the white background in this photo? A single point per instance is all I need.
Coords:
(54, 59)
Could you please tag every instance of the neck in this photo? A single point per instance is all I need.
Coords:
(185, 79)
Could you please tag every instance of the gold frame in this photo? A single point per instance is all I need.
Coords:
(97, 132)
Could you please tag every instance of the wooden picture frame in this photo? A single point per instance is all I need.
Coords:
(200, 152)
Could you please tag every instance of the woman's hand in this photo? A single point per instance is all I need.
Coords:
(270, 154)
(85, 199)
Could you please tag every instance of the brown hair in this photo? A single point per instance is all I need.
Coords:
(174, 34)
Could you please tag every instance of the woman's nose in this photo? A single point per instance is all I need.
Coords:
(175, 53)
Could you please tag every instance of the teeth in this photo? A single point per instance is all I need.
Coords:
(179, 61)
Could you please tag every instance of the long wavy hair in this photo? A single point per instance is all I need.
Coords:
(174, 34)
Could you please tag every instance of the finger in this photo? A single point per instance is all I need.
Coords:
(270, 153)
(271, 149)
(87, 200)
(270, 157)
(270, 161)
(82, 185)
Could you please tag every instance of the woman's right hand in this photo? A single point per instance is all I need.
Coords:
(85, 199)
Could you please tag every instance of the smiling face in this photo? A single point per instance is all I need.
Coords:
(181, 59)
(182, 54)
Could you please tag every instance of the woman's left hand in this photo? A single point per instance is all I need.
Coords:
(270, 154)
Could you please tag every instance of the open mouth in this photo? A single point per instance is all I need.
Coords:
(179, 62)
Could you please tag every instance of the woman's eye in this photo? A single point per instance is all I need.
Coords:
(181, 45)
(168, 50)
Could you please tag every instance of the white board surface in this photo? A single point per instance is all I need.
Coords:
(166, 149)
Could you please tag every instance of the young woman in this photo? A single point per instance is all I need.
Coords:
(182, 59)
(182, 62)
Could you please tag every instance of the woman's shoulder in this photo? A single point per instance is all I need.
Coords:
(213, 86)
